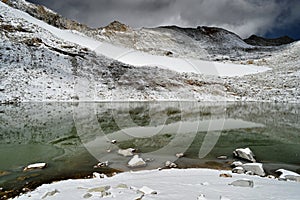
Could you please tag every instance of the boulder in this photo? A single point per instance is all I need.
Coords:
(236, 164)
(246, 154)
(225, 175)
(238, 170)
(288, 175)
(101, 164)
(136, 161)
(179, 155)
(170, 164)
(222, 157)
(256, 168)
(242, 183)
(113, 141)
(126, 152)
(35, 166)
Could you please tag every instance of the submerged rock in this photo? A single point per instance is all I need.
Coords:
(35, 166)
(256, 168)
(136, 161)
(246, 154)
(243, 183)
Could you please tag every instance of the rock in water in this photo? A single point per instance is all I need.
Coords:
(179, 155)
(288, 175)
(35, 166)
(126, 152)
(113, 141)
(243, 183)
(256, 168)
(102, 164)
(236, 164)
(170, 164)
(136, 161)
(222, 157)
(246, 154)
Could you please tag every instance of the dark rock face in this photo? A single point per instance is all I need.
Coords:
(201, 32)
(260, 41)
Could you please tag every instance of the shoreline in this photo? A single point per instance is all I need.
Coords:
(127, 184)
(110, 173)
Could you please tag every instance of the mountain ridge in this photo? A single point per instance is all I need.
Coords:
(42, 63)
(262, 41)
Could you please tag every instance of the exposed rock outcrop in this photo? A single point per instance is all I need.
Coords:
(260, 41)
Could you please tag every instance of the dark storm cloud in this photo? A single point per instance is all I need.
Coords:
(244, 17)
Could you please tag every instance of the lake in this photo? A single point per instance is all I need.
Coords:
(73, 137)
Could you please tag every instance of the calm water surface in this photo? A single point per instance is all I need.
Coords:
(72, 138)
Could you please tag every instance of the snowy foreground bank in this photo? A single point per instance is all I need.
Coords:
(170, 184)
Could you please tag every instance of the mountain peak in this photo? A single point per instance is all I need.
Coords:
(117, 26)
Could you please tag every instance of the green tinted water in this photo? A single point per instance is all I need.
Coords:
(72, 138)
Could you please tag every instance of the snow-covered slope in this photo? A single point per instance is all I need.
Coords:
(142, 59)
(174, 184)
(43, 63)
(206, 43)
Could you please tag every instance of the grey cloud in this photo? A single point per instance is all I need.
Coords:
(244, 17)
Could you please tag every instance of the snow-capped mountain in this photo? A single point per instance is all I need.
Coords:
(46, 57)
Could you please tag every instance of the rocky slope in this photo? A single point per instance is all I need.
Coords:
(47, 15)
(208, 43)
(37, 65)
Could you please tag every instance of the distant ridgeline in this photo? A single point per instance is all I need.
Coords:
(260, 41)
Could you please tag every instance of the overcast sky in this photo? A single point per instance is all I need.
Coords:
(271, 18)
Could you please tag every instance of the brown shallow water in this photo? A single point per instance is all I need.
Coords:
(72, 138)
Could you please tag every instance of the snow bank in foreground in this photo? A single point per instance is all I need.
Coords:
(169, 184)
